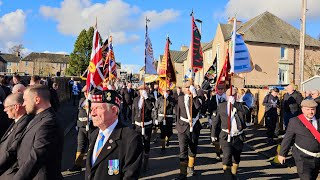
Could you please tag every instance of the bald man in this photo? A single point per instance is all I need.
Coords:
(17, 112)
(18, 88)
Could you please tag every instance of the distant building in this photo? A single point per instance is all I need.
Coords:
(274, 48)
(9, 63)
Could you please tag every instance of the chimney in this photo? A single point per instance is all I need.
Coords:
(18, 54)
(230, 21)
(184, 48)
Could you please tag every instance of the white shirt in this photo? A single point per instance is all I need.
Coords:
(107, 132)
(314, 122)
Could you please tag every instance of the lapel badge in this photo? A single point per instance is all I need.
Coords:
(110, 141)
(110, 167)
(116, 168)
(109, 147)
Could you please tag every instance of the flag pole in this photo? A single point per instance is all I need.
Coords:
(165, 99)
(144, 81)
(191, 48)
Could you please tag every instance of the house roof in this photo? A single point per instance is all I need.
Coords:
(9, 57)
(207, 46)
(314, 77)
(268, 28)
(47, 57)
(177, 56)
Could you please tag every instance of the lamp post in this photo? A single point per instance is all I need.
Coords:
(200, 21)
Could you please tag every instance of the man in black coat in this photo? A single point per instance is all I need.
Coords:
(127, 94)
(40, 149)
(213, 101)
(306, 148)
(188, 135)
(291, 104)
(142, 109)
(231, 135)
(164, 107)
(115, 151)
(15, 110)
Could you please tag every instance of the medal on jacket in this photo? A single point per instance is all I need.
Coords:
(110, 168)
(116, 166)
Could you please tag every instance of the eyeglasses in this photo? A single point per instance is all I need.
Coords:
(6, 107)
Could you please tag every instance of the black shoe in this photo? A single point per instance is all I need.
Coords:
(163, 151)
(75, 168)
(181, 177)
(168, 143)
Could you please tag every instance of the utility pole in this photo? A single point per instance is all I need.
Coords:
(302, 41)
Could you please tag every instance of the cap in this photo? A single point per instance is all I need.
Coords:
(234, 91)
(107, 96)
(309, 103)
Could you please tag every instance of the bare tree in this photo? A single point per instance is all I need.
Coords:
(16, 49)
(310, 65)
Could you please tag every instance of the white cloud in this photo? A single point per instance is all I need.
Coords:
(12, 27)
(285, 9)
(58, 52)
(131, 68)
(0, 3)
(116, 16)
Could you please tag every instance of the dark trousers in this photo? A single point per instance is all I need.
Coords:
(74, 99)
(166, 130)
(82, 139)
(127, 113)
(188, 143)
(271, 119)
(231, 150)
(248, 116)
(146, 138)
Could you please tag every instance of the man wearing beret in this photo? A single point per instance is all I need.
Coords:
(142, 109)
(231, 132)
(303, 130)
(188, 135)
(115, 151)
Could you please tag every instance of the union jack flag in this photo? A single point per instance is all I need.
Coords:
(95, 69)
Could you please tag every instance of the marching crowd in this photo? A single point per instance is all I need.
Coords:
(116, 126)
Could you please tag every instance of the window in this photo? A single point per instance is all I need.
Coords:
(62, 65)
(17, 64)
(283, 53)
(9, 63)
(9, 70)
(26, 63)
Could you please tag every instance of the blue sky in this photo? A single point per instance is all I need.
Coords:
(53, 25)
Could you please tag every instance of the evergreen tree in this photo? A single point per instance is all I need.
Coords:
(80, 57)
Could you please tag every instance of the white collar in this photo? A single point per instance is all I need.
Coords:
(109, 130)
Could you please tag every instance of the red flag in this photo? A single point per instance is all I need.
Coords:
(196, 50)
(167, 75)
(95, 73)
(224, 77)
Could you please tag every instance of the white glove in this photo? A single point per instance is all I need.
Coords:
(214, 139)
(193, 90)
(166, 95)
(156, 122)
(144, 94)
(210, 121)
(231, 99)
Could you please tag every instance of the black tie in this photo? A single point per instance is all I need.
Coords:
(219, 99)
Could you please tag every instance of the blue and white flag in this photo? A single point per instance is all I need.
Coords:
(149, 62)
(240, 60)
(189, 75)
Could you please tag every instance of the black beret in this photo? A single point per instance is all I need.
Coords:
(107, 96)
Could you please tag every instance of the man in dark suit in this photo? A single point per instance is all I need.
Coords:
(40, 150)
(231, 132)
(15, 110)
(306, 148)
(115, 151)
(188, 135)
(127, 94)
(142, 109)
(213, 101)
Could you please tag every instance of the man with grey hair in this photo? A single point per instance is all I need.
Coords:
(18, 88)
(13, 106)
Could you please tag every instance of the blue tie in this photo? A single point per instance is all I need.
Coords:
(100, 145)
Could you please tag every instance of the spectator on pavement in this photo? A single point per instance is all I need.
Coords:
(248, 99)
